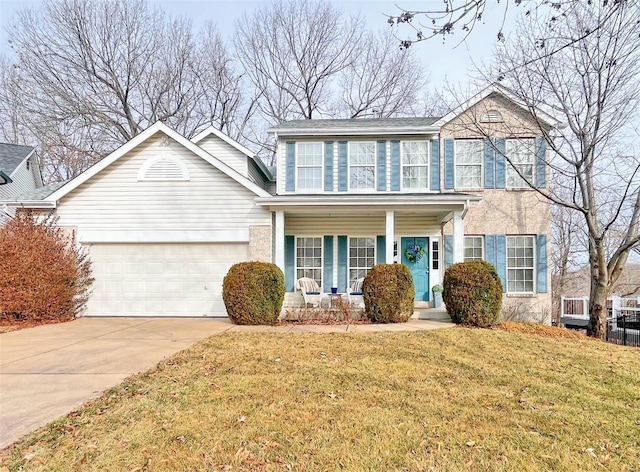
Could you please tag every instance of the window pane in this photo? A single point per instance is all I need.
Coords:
(520, 264)
(309, 258)
(414, 177)
(364, 250)
(362, 177)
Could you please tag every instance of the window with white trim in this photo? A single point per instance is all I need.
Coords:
(520, 264)
(415, 165)
(309, 258)
(468, 158)
(521, 161)
(362, 257)
(362, 165)
(309, 166)
(473, 248)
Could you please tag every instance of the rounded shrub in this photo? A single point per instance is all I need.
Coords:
(253, 293)
(473, 293)
(388, 293)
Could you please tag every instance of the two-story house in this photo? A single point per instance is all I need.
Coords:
(164, 217)
(19, 173)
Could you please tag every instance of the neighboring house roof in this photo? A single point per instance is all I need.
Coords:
(12, 155)
(39, 193)
(246, 151)
(4, 178)
(360, 126)
(543, 116)
(135, 142)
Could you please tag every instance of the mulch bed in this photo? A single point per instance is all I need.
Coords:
(8, 325)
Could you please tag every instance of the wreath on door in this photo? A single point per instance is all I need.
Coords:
(415, 253)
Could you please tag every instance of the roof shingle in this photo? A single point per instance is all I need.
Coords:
(11, 155)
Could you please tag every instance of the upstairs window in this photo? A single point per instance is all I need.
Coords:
(521, 162)
(415, 165)
(362, 165)
(468, 159)
(309, 166)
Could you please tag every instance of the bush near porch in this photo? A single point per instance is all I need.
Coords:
(388, 293)
(44, 276)
(253, 293)
(473, 293)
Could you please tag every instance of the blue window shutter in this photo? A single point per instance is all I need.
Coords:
(343, 169)
(449, 166)
(501, 259)
(541, 165)
(542, 263)
(501, 169)
(435, 164)
(395, 165)
(291, 166)
(489, 164)
(327, 276)
(328, 166)
(448, 251)
(342, 264)
(490, 249)
(381, 249)
(289, 263)
(382, 166)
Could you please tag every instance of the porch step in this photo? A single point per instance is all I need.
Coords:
(431, 314)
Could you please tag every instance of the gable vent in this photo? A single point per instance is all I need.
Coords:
(493, 116)
(163, 167)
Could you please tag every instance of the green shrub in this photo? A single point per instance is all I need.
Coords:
(44, 274)
(253, 293)
(473, 293)
(388, 293)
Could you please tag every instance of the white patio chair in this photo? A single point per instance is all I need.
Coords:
(355, 293)
(311, 292)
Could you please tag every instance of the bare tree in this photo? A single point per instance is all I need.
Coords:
(462, 16)
(93, 74)
(592, 86)
(380, 81)
(292, 51)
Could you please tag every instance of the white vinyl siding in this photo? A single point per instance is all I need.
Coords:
(362, 165)
(115, 206)
(520, 264)
(359, 224)
(521, 165)
(225, 152)
(473, 248)
(415, 165)
(23, 181)
(468, 159)
(309, 166)
(362, 257)
(309, 258)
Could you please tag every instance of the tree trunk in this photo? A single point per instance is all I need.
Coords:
(598, 310)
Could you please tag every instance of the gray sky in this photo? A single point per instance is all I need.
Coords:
(446, 60)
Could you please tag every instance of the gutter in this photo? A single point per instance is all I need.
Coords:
(30, 204)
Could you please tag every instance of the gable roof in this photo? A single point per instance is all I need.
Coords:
(244, 150)
(12, 155)
(357, 126)
(543, 116)
(141, 138)
(39, 193)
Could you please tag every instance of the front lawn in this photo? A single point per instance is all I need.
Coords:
(446, 400)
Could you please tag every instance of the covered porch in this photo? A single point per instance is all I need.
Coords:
(336, 239)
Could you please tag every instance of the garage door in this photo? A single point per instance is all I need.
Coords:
(161, 279)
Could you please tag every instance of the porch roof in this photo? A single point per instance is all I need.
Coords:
(435, 203)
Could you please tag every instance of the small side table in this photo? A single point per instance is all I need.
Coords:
(333, 297)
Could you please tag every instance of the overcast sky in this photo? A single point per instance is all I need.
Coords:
(446, 60)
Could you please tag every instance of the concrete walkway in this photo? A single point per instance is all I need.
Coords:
(48, 371)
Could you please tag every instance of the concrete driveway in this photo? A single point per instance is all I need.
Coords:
(47, 371)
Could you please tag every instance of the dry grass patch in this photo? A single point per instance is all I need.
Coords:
(541, 330)
(446, 400)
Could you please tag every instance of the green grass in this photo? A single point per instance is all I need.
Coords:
(446, 400)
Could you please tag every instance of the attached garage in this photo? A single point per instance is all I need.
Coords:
(177, 279)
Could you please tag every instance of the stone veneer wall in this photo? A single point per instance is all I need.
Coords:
(260, 244)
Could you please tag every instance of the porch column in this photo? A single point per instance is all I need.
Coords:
(279, 240)
(458, 237)
(389, 236)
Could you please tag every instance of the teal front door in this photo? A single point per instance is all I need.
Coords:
(419, 269)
